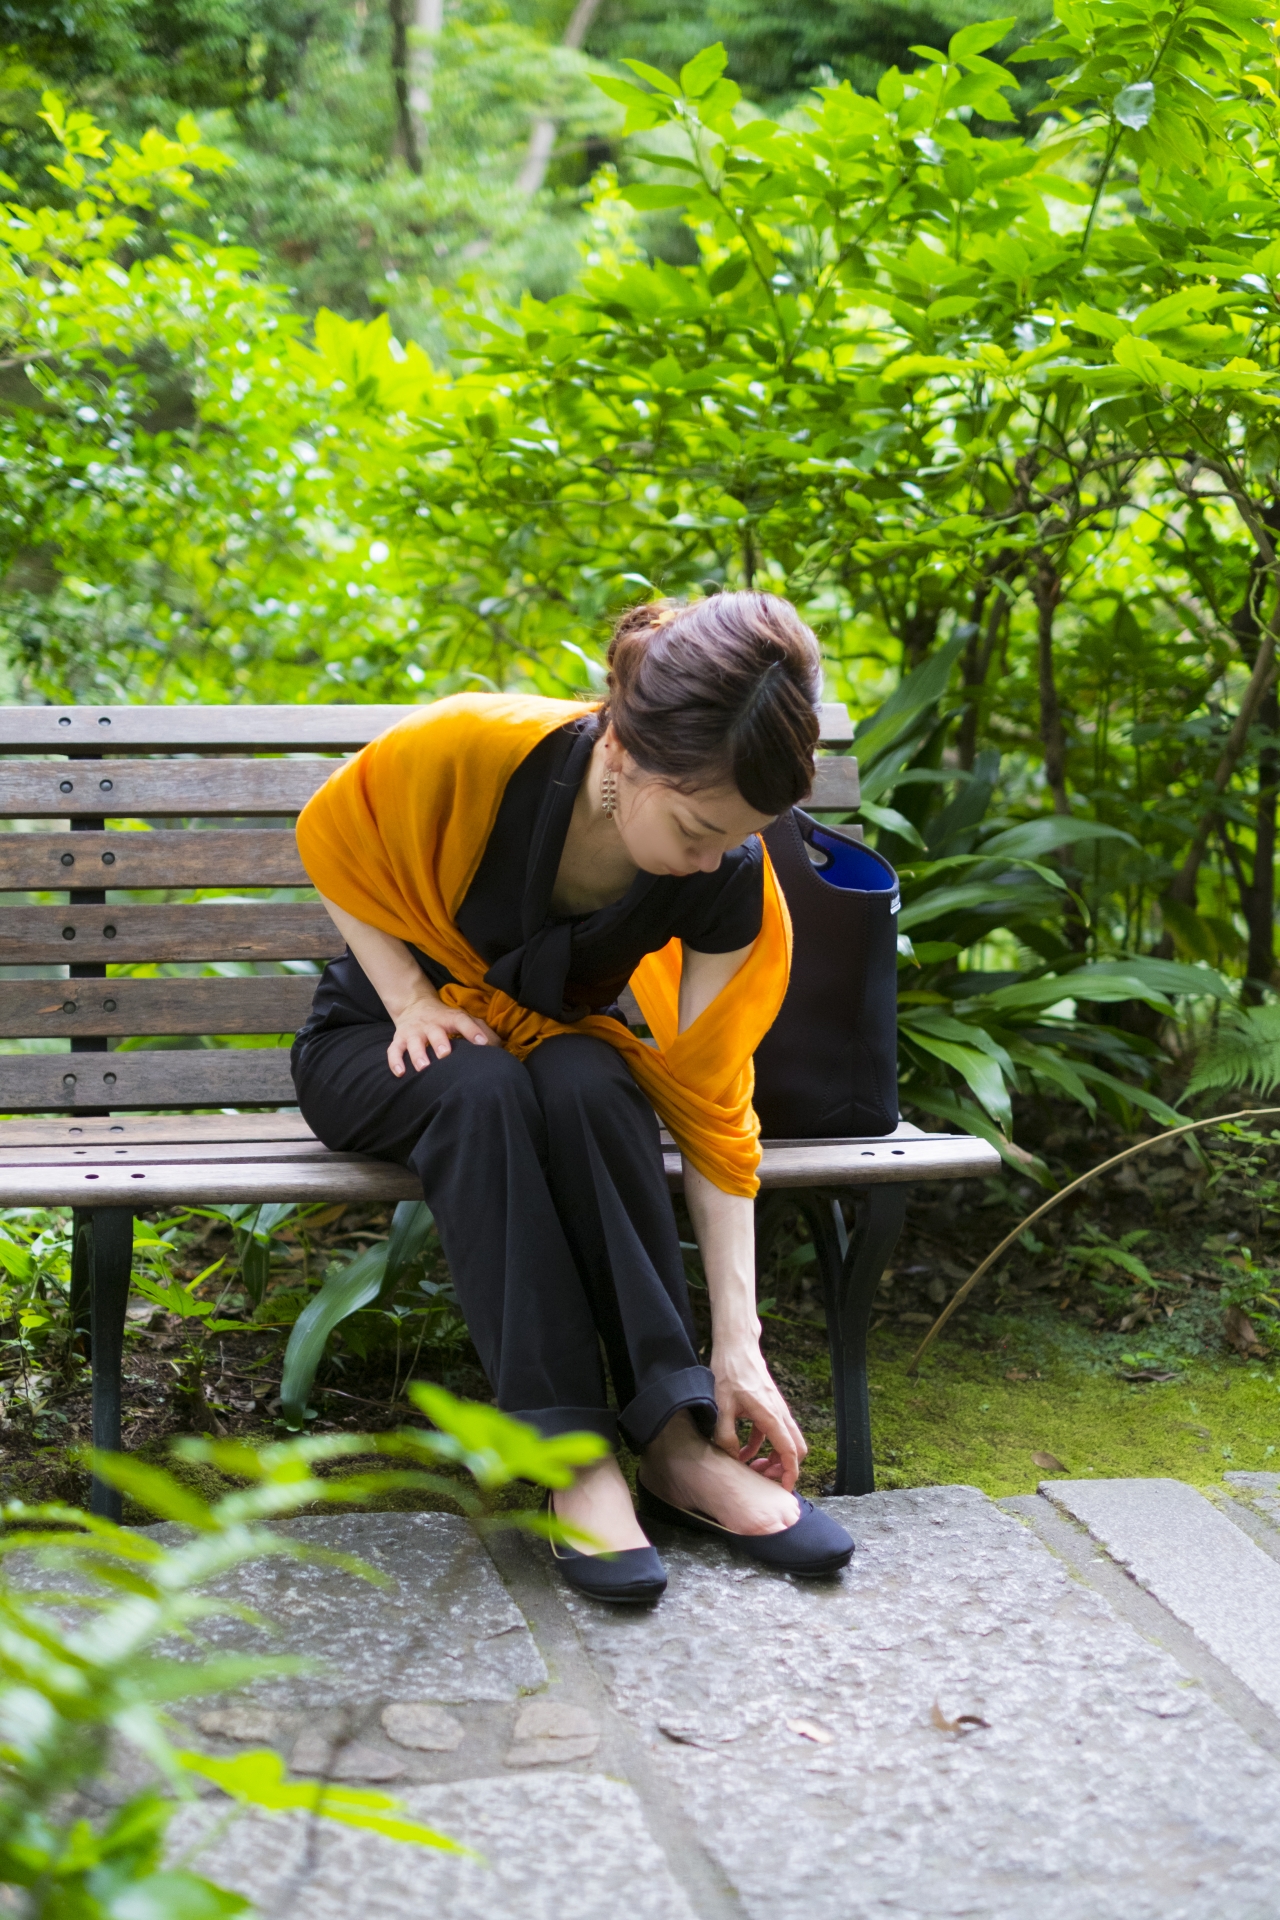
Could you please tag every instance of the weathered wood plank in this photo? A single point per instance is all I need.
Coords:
(195, 1183)
(821, 1163)
(157, 1153)
(163, 1077)
(835, 786)
(271, 1003)
(141, 1181)
(157, 789)
(126, 935)
(227, 857)
(186, 729)
(183, 729)
(156, 1129)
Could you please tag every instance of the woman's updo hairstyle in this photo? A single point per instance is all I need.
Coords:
(718, 692)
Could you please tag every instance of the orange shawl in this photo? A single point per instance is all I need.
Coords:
(395, 836)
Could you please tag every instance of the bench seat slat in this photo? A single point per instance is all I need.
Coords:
(163, 1076)
(33, 1009)
(163, 1129)
(226, 857)
(141, 1180)
(179, 729)
(269, 930)
(196, 1183)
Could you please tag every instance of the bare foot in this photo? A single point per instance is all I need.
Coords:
(687, 1471)
(599, 1503)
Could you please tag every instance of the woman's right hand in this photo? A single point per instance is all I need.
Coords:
(427, 1022)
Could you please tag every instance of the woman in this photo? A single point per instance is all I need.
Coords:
(500, 868)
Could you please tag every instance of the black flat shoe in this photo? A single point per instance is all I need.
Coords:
(634, 1576)
(816, 1545)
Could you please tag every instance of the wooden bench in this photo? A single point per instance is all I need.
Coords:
(153, 1127)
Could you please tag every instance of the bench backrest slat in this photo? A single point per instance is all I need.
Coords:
(296, 729)
(164, 857)
(156, 789)
(63, 1009)
(167, 1077)
(132, 935)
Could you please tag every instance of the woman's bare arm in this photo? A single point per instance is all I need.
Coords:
(419, 1015)
(724, 1224)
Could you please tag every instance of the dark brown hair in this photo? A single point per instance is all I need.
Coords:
(718, 692)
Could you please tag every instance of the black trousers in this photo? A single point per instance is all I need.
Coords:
(545, 1179)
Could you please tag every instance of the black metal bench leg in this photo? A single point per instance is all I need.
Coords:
(851, 1268)
(112, 1263)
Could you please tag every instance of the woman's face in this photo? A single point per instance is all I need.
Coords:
(668, 831)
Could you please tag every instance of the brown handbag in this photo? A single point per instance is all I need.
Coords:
(828, 1068)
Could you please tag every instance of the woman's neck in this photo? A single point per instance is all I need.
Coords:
(595, 868)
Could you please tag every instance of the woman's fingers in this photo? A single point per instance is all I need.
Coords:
(417, 1039)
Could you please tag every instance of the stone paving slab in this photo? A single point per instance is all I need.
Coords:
(1205, 1570)
(446, 1630)
(566, 1848)
(1106, 1786)
(753, 1748)
(1261, 1490)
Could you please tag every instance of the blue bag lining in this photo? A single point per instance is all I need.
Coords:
(852, 868)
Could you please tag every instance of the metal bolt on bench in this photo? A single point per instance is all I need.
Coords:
(124, 1131)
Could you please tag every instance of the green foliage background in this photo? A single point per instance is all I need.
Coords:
(975, 361)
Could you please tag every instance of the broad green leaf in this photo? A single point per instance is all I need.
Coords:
(495, 1448)
(412, 1231)
(152, 1488)
(344, 1293)
(1052, 830)
(1134, 105)
(977, 37)
(874, 735)
(258, 1779)
(891, 821)
(980, 1073)
(173, 1896)
(646, 198)
(655, 76)
(701, 73)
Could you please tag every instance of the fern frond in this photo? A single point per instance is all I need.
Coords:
(1244, 1052)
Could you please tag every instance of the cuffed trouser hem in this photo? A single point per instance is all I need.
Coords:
(553, 1421)
(643, 1418)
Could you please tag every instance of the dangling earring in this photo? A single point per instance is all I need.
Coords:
(609, 791)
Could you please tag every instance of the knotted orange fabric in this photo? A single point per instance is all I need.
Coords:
(395, 836)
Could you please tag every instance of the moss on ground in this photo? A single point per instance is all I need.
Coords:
(964, 1419)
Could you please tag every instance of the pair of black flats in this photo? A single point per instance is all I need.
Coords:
(813, 1547)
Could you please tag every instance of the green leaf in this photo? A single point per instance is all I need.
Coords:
(495, 1448)
(1134, 105)
(344, 1293)
(152, 1488)
(891, 821)
(412, 1231)
(648, 198)
(698, 75)
(655, 76)
(257, 1779)
(1035, 837)
(979, 1071)
(920, 690)
(978, 37)
(174, 1896)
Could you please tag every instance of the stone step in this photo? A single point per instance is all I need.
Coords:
(1196, 1562)
(1261, 1490)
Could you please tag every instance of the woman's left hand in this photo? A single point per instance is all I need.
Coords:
(746, 1390)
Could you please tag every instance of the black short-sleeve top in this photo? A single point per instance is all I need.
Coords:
(561, 966)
